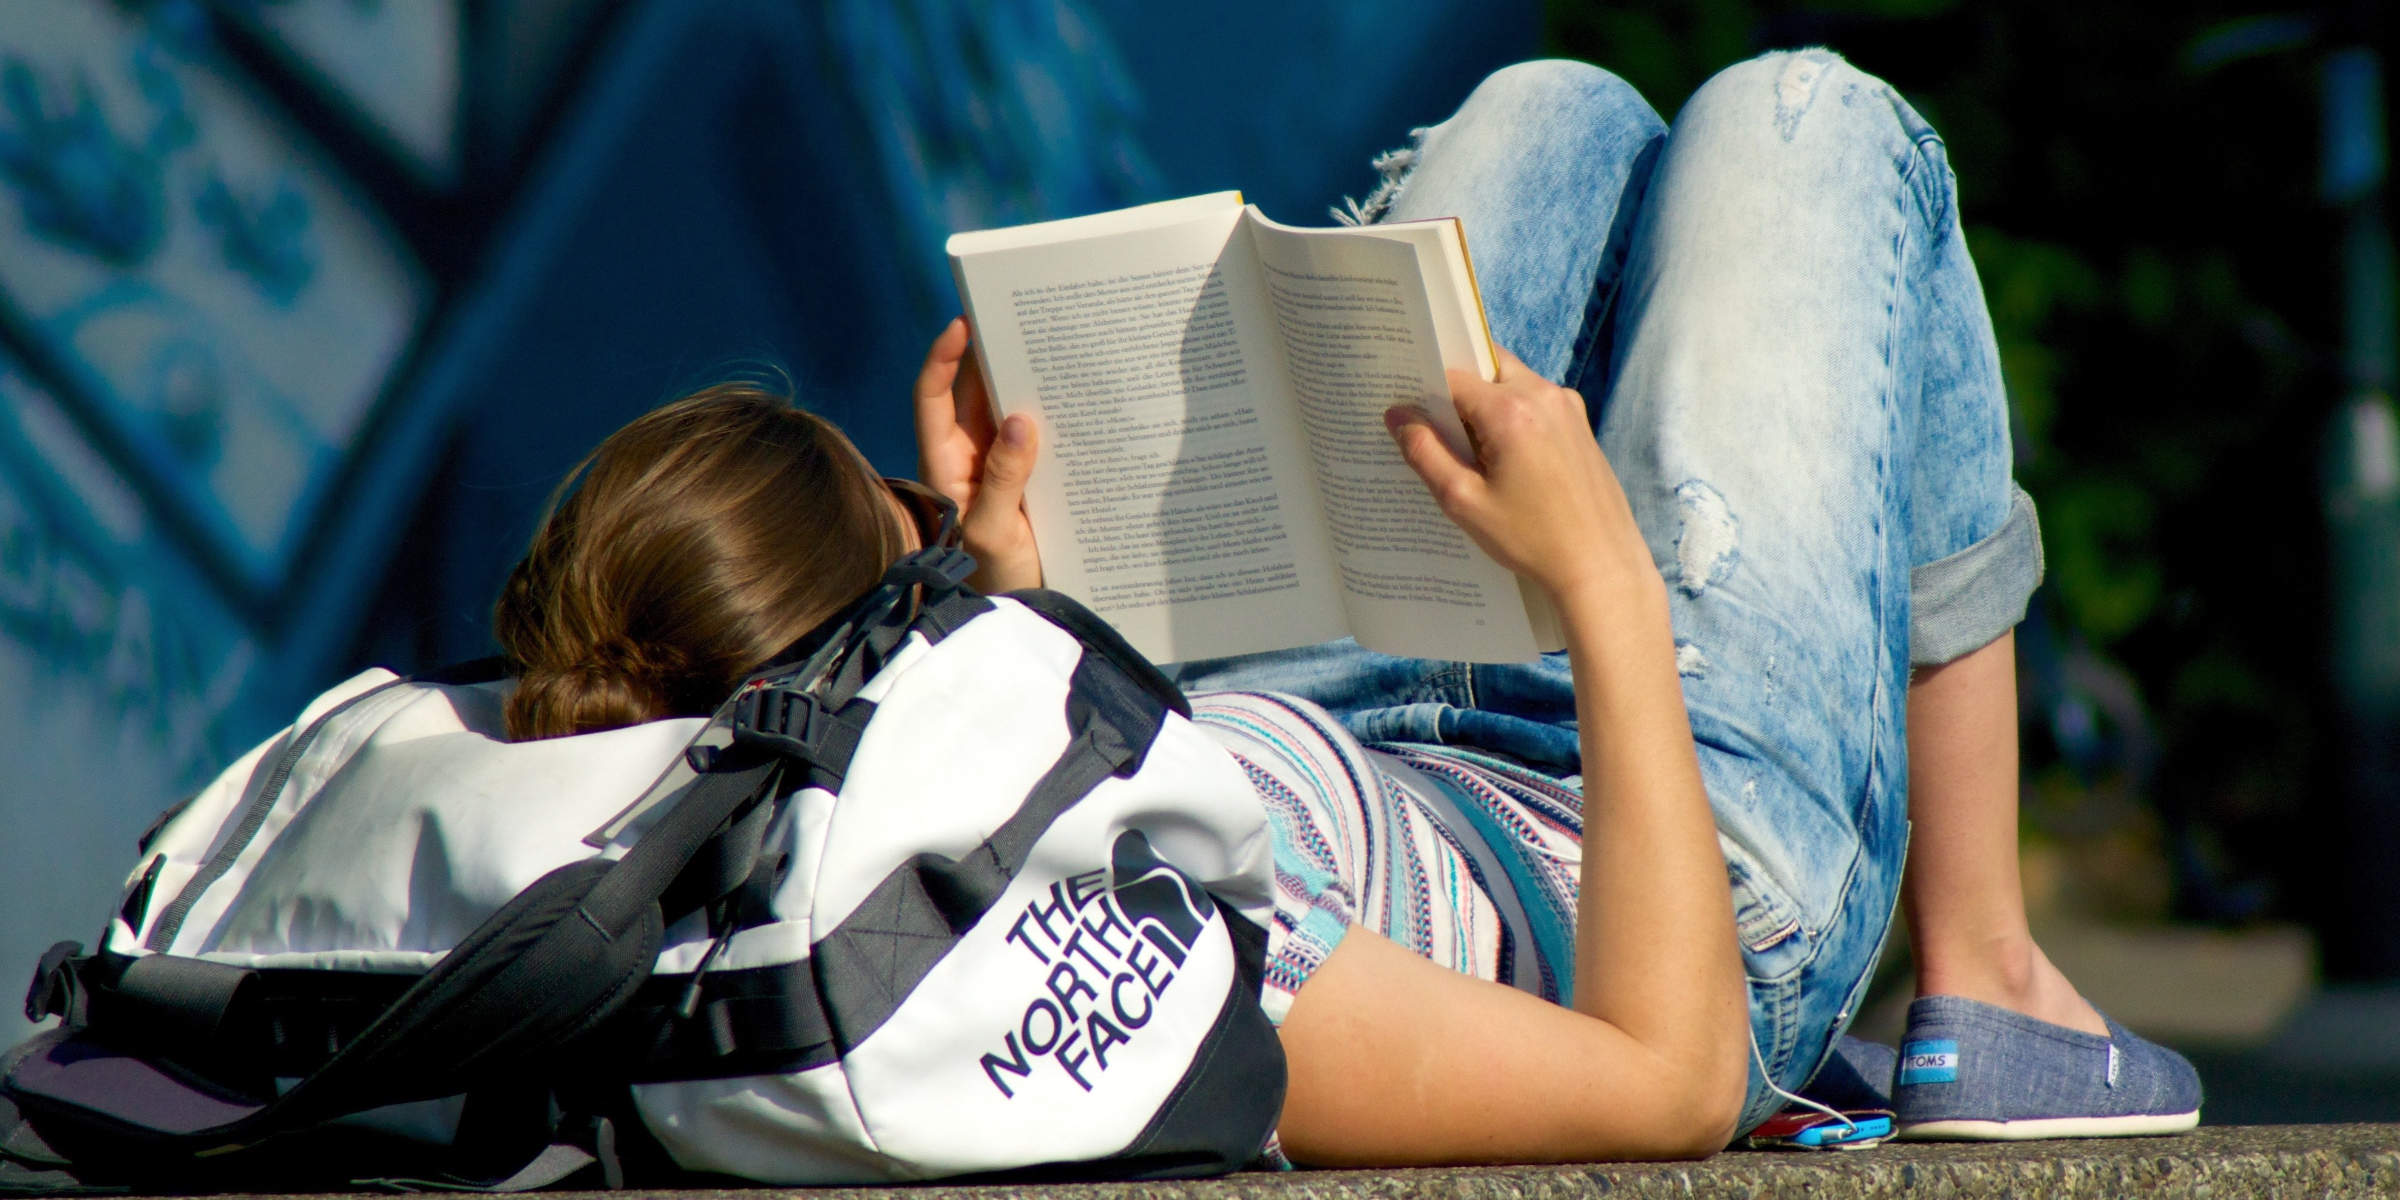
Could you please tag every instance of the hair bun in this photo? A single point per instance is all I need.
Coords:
(654, 664)
(619, 656)
(554, 700)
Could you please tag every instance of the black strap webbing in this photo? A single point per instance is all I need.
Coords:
(554, 963)
(550, 966)
(172, 999)
(1063, 611)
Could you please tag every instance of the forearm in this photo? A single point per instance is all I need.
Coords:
(1655, 961)
(1395, 1060)
(1655, 952)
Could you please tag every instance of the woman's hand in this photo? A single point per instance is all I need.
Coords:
(981, 468)
(1543, 501)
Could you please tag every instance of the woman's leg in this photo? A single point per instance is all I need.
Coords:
(1971, 1070)
(1806, 405)
(1965, 902)
(1999, 1045)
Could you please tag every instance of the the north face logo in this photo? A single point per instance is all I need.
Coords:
(1113, 942)
(1160, 901)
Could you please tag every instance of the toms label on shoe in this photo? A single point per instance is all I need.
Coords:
(1929, 1062)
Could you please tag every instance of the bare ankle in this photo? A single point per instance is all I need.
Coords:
(2013, 974)
(1991, 967)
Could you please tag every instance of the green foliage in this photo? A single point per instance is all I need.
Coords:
(1664, 50)
(2103, 563)
(2026, 281)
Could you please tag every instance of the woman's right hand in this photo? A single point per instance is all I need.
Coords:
(980, 466)
(1543, 500)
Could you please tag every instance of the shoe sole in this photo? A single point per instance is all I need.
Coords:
(2137, 1125)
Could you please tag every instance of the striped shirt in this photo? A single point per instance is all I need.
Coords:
(1466, 859)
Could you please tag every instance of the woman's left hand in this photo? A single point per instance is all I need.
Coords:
(980, 466)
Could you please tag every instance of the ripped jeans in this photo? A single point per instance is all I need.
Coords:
(1770, 311)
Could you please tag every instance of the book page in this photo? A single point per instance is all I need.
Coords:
(1465, 336)
(1459, 325)
(1358, 337)
(1172, 495)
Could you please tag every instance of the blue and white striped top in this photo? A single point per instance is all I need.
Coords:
(1464, 858)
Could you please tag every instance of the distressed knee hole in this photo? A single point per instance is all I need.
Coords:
(1796, 88)
(1690, 661)
(1709, 543)
(1393, 167)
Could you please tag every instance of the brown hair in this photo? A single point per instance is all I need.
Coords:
(703, 538)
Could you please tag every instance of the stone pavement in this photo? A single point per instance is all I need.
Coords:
(2226, 1162)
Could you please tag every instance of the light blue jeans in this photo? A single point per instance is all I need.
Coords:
(1771, 312)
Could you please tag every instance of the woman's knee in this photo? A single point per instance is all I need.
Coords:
(1555, 97)
(1808, 94)
(1559, 85)
(1799, 81)
(1790, 117)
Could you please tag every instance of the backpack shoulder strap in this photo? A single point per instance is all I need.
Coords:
(1063, 611)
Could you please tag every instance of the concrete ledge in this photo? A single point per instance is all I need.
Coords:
(2221, 1162)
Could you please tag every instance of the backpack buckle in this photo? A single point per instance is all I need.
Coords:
(788, 721)
(936, 568)
(57, 986)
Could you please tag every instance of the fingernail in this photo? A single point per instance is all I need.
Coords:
(1393, 419)
(1013, 431)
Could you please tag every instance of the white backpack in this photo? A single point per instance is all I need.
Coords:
(960, 891)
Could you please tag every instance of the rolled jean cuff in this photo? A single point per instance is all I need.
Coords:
(1960, 603)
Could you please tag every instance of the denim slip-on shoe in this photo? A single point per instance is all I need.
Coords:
(1972, 1071)
(1858, 1076)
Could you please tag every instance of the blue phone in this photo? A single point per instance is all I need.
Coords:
(1862, 1129)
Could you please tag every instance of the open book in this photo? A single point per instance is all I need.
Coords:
(1215, 477)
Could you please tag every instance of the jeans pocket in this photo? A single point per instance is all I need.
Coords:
(1774, 1035)
(1775, 944)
